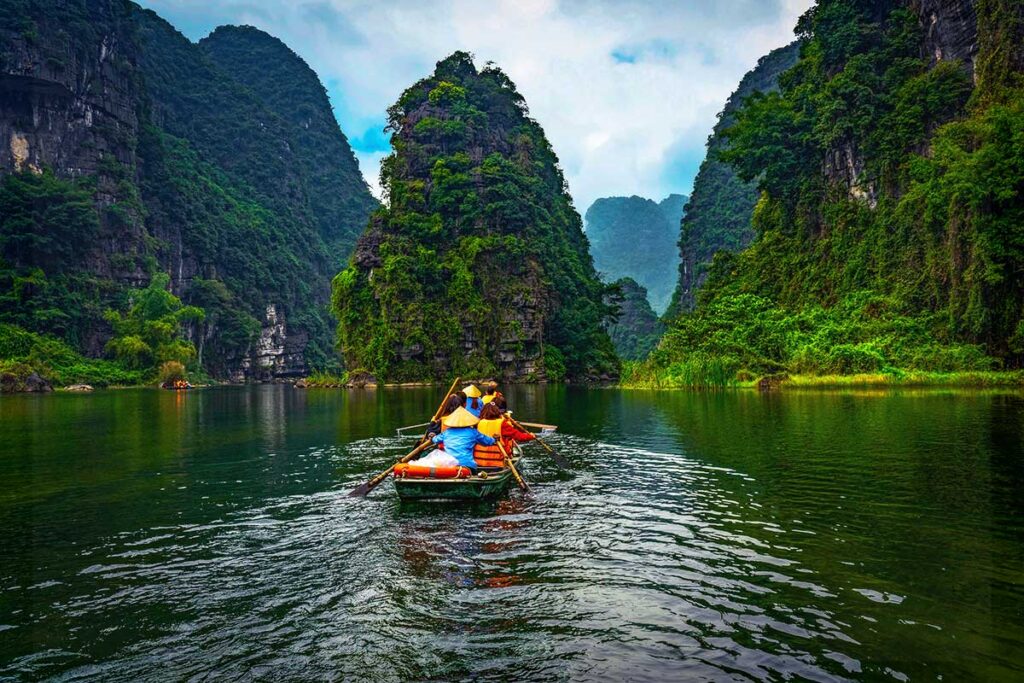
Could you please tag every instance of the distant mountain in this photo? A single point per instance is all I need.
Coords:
(636, 238)
(478, 266)
(721, 205)
(637, 330)
(218, 164)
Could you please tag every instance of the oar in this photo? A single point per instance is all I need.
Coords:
(365, 488)
(559, 460)
(508, 463)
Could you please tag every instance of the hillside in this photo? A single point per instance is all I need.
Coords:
(478, 264)
(151, 158)
(637, 329)
(719, 211)
(636, 238)
(890, 229)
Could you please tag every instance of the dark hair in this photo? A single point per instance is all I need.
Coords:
(462, 396)
(490, 387)
(475, 404)
(500, 402)
(451, 404)
(490, 412)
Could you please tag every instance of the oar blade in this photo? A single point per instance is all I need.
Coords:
(360, 491)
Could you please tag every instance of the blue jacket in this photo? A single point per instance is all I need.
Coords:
(459, 442)
(475, 411)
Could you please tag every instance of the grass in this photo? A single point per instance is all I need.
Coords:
(326, 380)
(711, 376)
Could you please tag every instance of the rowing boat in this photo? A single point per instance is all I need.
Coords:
(486, 483)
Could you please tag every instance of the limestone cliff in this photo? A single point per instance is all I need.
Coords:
(636, 238)
(636, 330)
(478, 265)
(718, 214)
(193, 170)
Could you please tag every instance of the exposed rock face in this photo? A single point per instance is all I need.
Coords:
(637, 330)
(719, 211)
(636, 238)
(68, 100)
(221, 165)
(950, 29)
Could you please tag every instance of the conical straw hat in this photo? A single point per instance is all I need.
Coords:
(472, 391)
(461, 418)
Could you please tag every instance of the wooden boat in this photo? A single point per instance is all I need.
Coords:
(487, 483)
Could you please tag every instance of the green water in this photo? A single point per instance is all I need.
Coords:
(149, 535)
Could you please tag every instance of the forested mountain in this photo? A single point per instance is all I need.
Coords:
(719, 211)
(478, 264)
(636, 329)
(636, 238)
(890, 229)
(135, 152)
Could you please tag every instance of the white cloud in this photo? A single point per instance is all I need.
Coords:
(618, 125)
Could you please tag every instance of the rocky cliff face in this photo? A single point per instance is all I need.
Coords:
(478, 266)
(636, 238)
(637, 329)
(197, 170)
(718, 214)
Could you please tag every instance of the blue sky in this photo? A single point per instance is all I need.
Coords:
(626, 90)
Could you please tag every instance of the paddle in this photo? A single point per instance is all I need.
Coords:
(508, 463)
(365, 488)
(559, 460)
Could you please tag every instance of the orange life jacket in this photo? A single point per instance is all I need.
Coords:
(489, 456)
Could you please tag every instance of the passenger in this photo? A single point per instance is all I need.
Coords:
(493, 423)
(491, 392)
(459, 439)
(473, 403)
(451, 403)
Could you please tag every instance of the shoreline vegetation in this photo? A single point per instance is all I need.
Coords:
(679, 377)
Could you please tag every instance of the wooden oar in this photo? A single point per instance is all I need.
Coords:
(508, 464)
(559, 460)
(365, 488)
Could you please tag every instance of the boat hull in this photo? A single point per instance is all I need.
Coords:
(473, 488)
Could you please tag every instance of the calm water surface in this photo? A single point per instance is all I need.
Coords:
(147, 535)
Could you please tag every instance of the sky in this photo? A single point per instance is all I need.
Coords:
(627, 91)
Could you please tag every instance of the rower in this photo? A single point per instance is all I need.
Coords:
(491, 392)
(473, 402)
(496, 425)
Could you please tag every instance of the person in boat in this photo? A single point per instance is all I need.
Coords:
(473, 402)
(451, 404)
(491, 392)
(495, 424)
(494, 421)
(459, 438)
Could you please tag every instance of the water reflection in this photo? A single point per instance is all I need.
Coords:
(717, 536)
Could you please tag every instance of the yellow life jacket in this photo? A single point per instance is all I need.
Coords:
(489, 456)
(487, 398)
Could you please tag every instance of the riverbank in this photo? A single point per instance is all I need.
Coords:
(907, 379)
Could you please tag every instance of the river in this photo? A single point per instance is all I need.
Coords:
(149, 535)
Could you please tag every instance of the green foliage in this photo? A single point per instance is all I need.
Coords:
(890, 229)
(150, 332)
(28, 352)
(478, 244)
(170, 371)
(45, 221)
